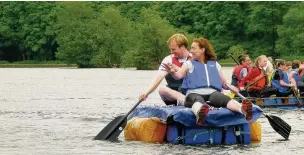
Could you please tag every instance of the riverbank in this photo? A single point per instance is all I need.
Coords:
(55, 64)
(38, 65)
(65, 65)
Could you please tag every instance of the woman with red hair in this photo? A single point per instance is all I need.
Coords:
(204, 81)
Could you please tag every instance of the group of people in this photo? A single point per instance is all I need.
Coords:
(264, 79)
(194, 79)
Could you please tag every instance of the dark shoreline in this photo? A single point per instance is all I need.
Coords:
(68, 65)
(37, 65)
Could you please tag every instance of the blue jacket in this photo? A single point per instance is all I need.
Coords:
(276, 82)
(203, 76)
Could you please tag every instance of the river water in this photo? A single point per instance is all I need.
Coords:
(60, 111)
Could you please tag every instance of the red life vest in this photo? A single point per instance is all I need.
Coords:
(177, 63)
(237, 72)
(171, 82)
(261, 83)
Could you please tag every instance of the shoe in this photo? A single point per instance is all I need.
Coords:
(202, 112)
(247, 109)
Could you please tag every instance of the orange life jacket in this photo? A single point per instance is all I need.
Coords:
(261, 83)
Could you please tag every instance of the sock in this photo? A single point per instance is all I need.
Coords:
(240, 110)
(196, 107)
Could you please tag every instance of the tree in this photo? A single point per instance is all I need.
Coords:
(261, 31)
(291, 33)
(152, 35)
(28, 25)
(236, 50)
(114, 36)
(75, 29)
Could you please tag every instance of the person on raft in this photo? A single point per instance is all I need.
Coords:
(240, 71)
(257, 80)
(284, 85)
(171, 94)
(203, 81)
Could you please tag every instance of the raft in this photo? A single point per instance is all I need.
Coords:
(177, 125)
(277, 102)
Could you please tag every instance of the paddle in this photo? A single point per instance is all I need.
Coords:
(299, 103)
(254, 82)
(115, 127)
(276, 123)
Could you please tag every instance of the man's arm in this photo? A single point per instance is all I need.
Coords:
(155, 83)
(161, 74)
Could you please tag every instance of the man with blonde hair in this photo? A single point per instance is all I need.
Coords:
(171, 94)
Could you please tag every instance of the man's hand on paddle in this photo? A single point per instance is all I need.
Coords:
(143, 97)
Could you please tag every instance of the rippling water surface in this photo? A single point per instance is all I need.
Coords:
(59, 111)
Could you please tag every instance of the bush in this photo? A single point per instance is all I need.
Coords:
(4, 62)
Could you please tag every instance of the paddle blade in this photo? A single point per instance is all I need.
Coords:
(279, 125)
(113, 129)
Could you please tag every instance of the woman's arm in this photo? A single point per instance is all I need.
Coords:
(176, 73)
(224, 83)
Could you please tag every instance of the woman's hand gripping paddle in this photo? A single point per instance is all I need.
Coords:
(276, 123)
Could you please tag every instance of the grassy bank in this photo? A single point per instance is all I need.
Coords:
(35, 64)
(55, 64)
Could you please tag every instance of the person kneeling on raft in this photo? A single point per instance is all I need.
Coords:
(203, 81)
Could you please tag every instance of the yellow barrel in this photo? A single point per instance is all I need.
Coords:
(256, 132)
(145, 129)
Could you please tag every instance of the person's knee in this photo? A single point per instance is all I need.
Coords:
(218, 100)
(192, 98)
(163, 91)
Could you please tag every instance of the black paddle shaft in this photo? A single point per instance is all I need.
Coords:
(234, 59)
(299, 103)
(279, 125)
(115, 127)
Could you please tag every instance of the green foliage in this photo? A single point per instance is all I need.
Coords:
(291, 33)
(134, 34)
(221, 23)
(29, 25)
(115, 37)
(236, 50)
(264, 19)
(4, 62)
(152, 34)
(132, 10)
(74, 33)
